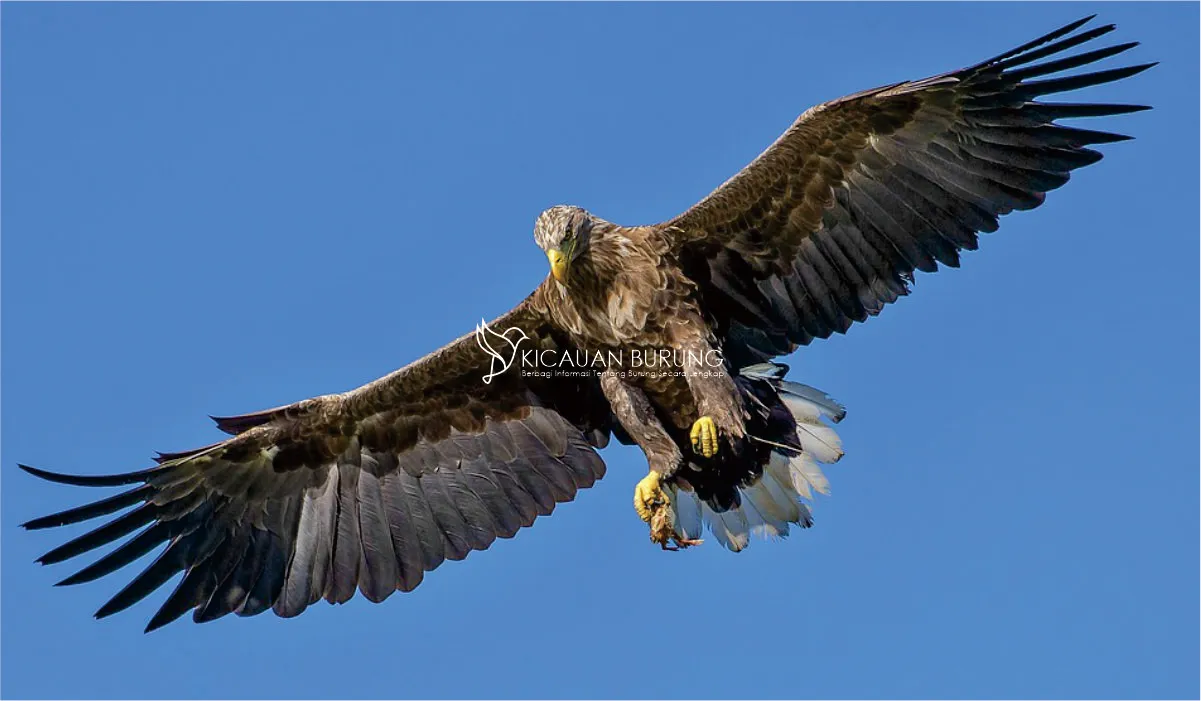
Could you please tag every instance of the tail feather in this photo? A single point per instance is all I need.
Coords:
(768, 505)
(765, 502)
(761, 512)
(804, 469)
(784, 497)
(687, 513)
(794, 393)
(820, 442)
(729, 527)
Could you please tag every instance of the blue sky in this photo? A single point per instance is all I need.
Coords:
(217, 208)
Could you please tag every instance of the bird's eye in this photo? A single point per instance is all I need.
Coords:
(568, 236)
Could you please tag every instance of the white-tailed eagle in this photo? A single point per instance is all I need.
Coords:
(371, 489)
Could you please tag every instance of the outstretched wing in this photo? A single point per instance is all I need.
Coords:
(828, 224)
(369, 489)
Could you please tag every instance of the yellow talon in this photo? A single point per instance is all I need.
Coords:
(648, 496)
(704, 437)
(654, 506)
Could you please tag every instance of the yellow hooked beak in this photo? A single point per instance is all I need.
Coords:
(558, 264)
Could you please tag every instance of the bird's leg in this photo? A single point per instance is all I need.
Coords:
(717, 398)
(651, 500)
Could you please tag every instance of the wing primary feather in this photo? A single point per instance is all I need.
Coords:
(131, 550)
(195, 561)
(1010, 176)
(271, 578)
(181, 600)
(1051, 36)
(230, 595)
(154, 576)
(1069, 62)
(115, 480)
(1055, 48)
(102, 507)
(1077, 82)
(232, 554)
(118, 527)
(1048, 111)
(280, 521)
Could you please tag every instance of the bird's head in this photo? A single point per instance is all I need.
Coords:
(563, 232)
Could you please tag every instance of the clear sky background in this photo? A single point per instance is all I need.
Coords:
(217, 208)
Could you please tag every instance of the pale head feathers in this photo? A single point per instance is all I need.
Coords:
(561, 222)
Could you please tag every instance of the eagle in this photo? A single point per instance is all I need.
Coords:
(663, 336)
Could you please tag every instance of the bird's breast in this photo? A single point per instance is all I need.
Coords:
(618, 318)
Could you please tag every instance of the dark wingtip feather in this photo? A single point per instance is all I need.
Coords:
(1077, 82)
(1051, 111)
(117, 528)
(1082, 137)
(90, 511)
(174, 607)
(90, 480)
(115, 560)
(165, 615)
(1066, 29)
(121, 601)
(1070, 62)
(1060, 46)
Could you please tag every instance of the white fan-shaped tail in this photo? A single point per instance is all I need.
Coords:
(766, 508)
(777, 499)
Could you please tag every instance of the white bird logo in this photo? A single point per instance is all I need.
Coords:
(481, 337)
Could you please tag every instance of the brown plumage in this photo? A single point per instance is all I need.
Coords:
(370, 489)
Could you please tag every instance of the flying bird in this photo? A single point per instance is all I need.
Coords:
(371, 489)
